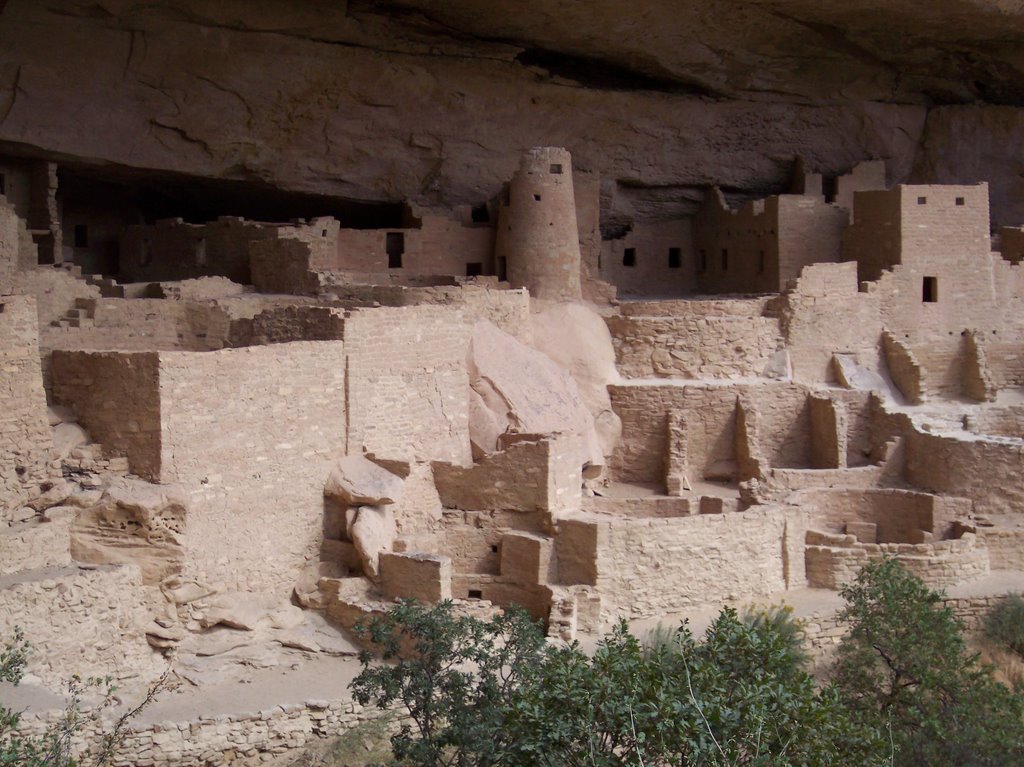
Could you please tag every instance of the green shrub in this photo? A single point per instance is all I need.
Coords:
(905, 667)
(1004, 623)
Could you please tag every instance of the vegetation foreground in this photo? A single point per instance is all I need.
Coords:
(904, 690)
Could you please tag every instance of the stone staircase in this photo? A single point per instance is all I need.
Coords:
(81, 315)
(109, 287)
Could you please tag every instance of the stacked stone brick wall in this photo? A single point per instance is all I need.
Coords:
(56, 291)
(872, 241)
(900, 515)
(747, 307)
(823, 313)
(8, 245)
(175, 250)
(943, 364)
(985, 470)
(906, 372)
(143, 325)
(711, 427)
(115, 396)
(648, 567)
(284, 264)
(998, 421)
(834, 560)
(809, 233)
(1005, 361)
(251, 433)
(244, 739)
(662, 259)
(1005, 546)
(695, 347)
(407, 383)
(90, 621)
(440, 246)
(24, 431)
(282, 324)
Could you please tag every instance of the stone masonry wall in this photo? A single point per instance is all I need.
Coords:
(251, 433)
(693, 347)
(985, 470)
(115, 396)
(408, 389)
(653, 271)
(24, 431)
(647, 567)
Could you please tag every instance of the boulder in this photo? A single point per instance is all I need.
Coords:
(67, 437)
(357, 480)
(526, 392)
(134, 522)
(373, 531)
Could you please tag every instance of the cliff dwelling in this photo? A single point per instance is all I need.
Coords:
(305, 313)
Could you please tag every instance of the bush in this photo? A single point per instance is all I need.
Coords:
(454, 674)
(1004, 623)
(905, 667)
(492, 693)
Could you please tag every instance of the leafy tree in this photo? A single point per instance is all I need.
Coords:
(53, 748)
(1004, 623)
(905, 667)
(453, 673)
(740, 697)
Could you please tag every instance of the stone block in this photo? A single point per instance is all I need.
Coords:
(526, 558)
(865, 532)
(416, 575)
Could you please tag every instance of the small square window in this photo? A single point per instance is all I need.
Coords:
(629, 257)
(959, 200)
(922, 200)
(675, 258)
(556, 168)
(476, 594)
(536, 197)
(474, 269)
(480, 215)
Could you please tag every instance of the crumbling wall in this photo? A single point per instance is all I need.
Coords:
(116, 397)
(408, 389)
(24, 433)
(251, 433)
(822, 313)
(174, 250)
(90, 621)
(784, 433)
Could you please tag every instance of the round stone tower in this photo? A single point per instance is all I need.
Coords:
(538, 245)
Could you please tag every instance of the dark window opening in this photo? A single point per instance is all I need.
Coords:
(476, 594)
(629, 257)
(494, 548)
(930, 290)
(395, 247)
(556, 168)
(536, 197)
(81, 236)
(830, 188)
(675, 258)
(201, 251)
(959, 200)
(702, 261)
(725, 260)
(474, 269)
(323, 233)
(760, 262)
(1, 308)
(3, 184)
(922, 200)
(480, 214)
(502, 269)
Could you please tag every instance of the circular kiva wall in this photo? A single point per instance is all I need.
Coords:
(928, 534)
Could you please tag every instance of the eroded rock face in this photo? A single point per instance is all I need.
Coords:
(525, 392)
(372, 532)
(134, 522)
(356, 481)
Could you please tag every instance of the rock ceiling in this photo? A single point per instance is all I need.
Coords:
(433, 100)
